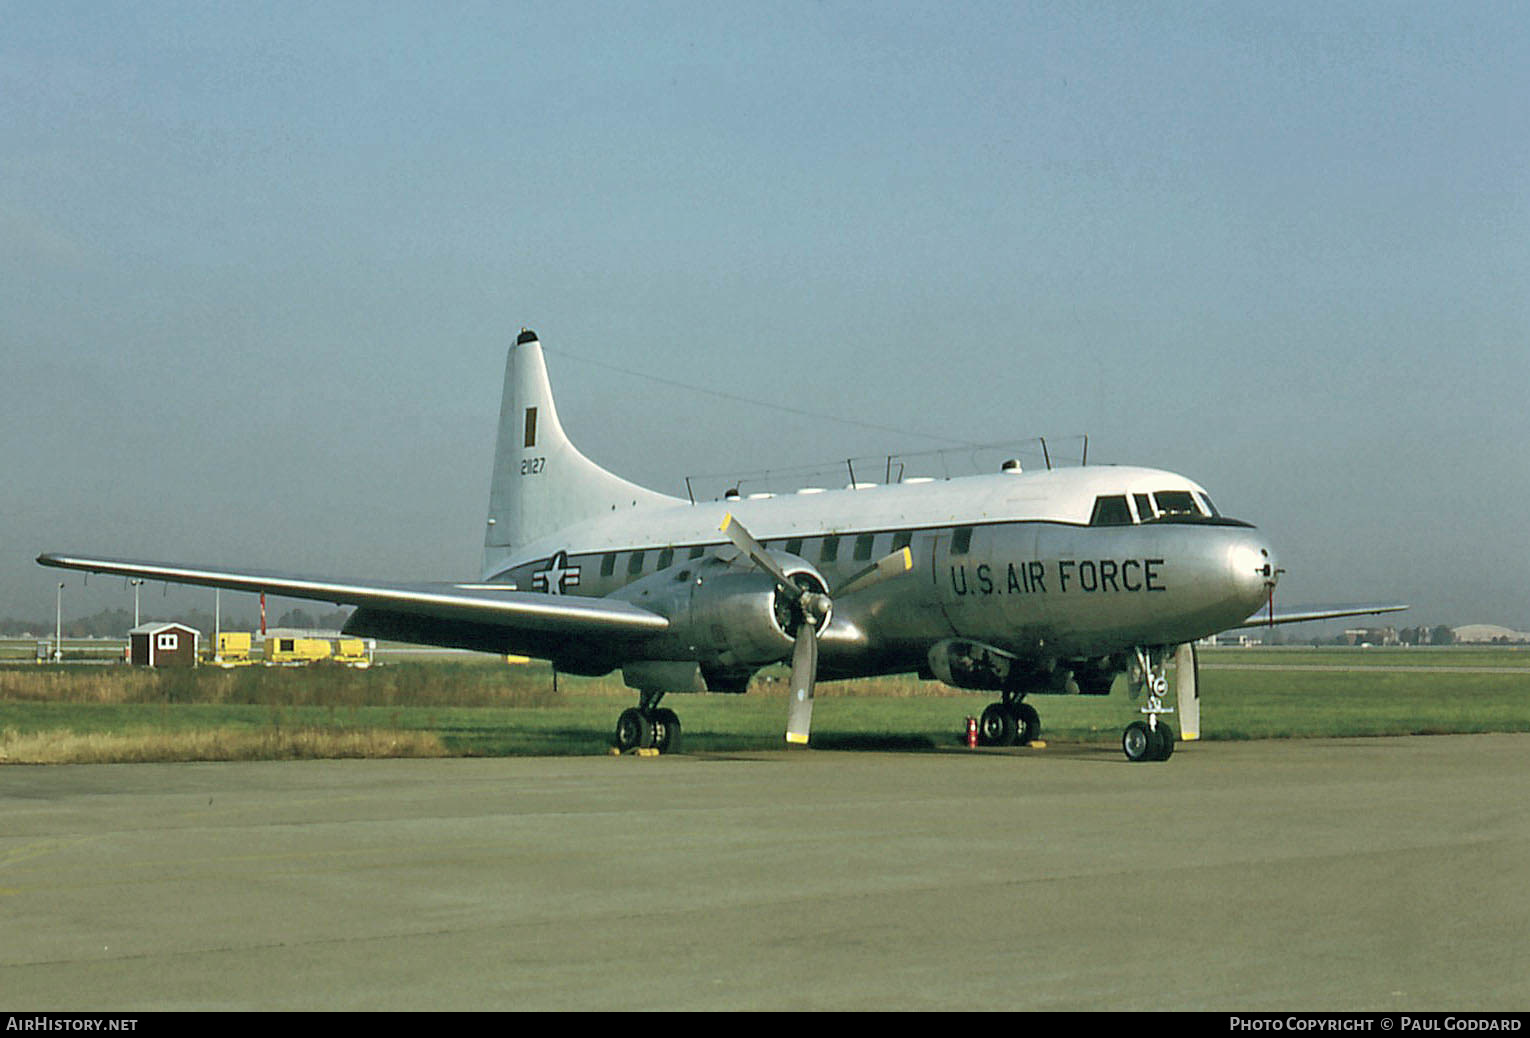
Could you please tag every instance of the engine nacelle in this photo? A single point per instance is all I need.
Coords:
(973, 665)
(984, 668)
(1095, 676)
(728, 616)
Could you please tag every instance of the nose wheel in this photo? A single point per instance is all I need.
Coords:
(1151, 739)
(1139, 742)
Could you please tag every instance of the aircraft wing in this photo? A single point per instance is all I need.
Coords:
(1302, 614)
(470, 615)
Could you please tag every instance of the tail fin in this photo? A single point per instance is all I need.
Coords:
(541, 482)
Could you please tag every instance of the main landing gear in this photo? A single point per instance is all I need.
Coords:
(1009, 723)
(1152, 739)
(647, 727)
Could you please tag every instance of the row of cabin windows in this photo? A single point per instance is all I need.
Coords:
(861, 551)
(1112, 509)
(635, 561)
(1109, 510)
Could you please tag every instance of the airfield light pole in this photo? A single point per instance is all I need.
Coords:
(58, 626)
(136, 584)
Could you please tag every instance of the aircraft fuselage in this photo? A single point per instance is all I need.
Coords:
(1020, 562)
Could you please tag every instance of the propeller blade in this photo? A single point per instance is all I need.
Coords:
(799, 716)
(894, 565)
(814, 609)
(745, 542)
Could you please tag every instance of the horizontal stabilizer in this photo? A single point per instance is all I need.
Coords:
(484, 604)
(1302, 614)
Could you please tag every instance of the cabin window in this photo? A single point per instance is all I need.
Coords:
(1175, 502)
(863, 545)
(794, 546)
(902, 539)
(608, 564)
(1144, 507)
(961, 541)
(697, 552)
(635, 564)
(1111, 510)
(830, 551)
(666, 557)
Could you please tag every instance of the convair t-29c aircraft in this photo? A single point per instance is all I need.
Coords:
(1019, 583)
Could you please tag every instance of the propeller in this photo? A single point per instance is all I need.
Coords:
(812, 608)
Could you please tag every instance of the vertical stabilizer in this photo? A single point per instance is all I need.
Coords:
(541, 482)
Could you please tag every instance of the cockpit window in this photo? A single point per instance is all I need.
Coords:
(1111, 511)
(1175, 502)
(1144, 507)
(1211, 509)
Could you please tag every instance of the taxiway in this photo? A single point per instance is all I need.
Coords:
(1341, 874)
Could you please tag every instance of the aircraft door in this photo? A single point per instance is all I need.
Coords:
(964, 580)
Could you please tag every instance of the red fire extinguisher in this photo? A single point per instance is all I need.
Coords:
(972, 733)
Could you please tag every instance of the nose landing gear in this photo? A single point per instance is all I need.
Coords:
(1152, 739)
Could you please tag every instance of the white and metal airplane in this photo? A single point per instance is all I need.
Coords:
(1020, 583)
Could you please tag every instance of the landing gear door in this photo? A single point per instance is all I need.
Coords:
(1187, 690)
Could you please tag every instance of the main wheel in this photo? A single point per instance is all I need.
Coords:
(1027, 724)
(666, 731)
(1138, 742)
(633, 730)
(997, 726)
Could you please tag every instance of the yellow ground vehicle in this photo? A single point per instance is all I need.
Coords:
(352, 652)
(294, 651)
(233, 650)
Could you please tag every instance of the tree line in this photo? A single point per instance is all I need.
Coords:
(115, 623)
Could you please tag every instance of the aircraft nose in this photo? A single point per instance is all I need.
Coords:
(1251, 565)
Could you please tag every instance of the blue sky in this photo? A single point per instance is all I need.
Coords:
(259, 265)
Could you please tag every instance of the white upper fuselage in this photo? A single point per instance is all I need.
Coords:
(1059, 496)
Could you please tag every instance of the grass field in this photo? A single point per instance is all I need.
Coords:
(115, 713)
